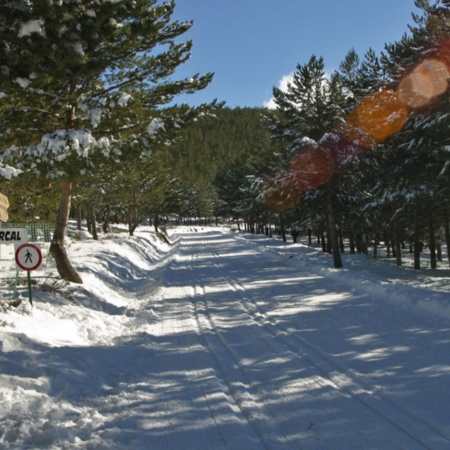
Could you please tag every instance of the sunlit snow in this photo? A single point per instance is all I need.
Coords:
(32, 26)
(225, 340)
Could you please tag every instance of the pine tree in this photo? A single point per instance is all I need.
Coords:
(308, 114)
(418, 185)
(88, 75)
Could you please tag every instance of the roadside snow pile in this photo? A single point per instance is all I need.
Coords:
(97, 310)
(38, 391)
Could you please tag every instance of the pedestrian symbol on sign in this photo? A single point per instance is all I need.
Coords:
(28, 256)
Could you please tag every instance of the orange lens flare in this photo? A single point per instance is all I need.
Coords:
(382, 114)
(356, 134)
(428, 80)
(279, 197)
(311, 168)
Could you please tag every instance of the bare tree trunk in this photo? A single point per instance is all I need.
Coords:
(132, 221)
(282, 228)
(417, 244)
(447, 234)
(432, 243)
(341, 241)
(397, 244)
(57, 249)
(79, 217)
(107, 219)
(92, 220)
(387, 241)
(439, 251)
(352, 242)
(323, 240)
(375, 247)
(333, 231)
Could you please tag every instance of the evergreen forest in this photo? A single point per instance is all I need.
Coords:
(351, 160)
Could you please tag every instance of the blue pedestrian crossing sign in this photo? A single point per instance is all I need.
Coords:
(28, 256)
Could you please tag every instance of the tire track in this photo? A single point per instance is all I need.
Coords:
(234, 375)
(402, 419)
(248, 391)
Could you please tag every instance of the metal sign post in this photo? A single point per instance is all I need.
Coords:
(28, 257)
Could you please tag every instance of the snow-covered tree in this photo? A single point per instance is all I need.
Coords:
(308, 114)
(417, 173)
(82, 77)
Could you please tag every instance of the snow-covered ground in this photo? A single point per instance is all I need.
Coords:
(225, 340)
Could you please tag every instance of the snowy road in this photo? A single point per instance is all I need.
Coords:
(223, 343)
(276, 357)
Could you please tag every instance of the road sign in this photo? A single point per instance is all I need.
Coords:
(28, 256)
(4, 205)
(13, 235)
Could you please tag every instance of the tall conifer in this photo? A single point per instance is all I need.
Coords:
(88, 75)
(307, 115)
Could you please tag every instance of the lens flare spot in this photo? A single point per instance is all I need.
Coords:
(281, 195)
(428, 80)
(382, 114)
(356, 134)
(282, 200)
(312, 167)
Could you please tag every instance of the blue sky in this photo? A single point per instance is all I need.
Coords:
(251, 45)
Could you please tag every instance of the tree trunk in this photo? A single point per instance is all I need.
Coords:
(388, 246)
(79, 217)
(283, 229)
(333, 231)
(341, 242)
(107, 219)
(156, 222)
(432, 243)
(132, 221)
(322, 240)
(352, 242)
(397, 243)
(394, 248)
(91, 213)
(447, 235)
(329, 242)
(417, 244)
(57, 249)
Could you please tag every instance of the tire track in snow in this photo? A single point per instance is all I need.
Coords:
(237, 382)
(256, 383)
(339, 377)
(217, 405)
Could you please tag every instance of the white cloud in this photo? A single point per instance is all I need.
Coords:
(282, 84)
